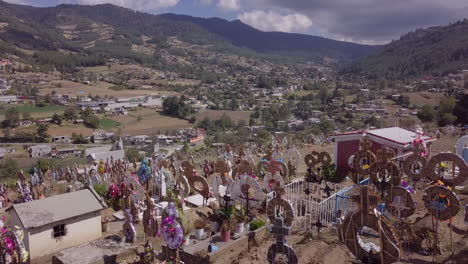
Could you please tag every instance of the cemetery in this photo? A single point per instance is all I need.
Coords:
(398, 201)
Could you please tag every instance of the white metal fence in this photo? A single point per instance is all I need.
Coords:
(312, 202)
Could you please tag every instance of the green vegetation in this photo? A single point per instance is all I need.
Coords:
(436, 51)
(176, 107)
(117, 88)
(8, 168)
(132, 155)
(256, 224)
(108, 123)
(34, 109)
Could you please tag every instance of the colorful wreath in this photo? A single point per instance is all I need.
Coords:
(172, 232)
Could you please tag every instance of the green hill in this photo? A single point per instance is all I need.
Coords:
(435, 51)
(88, 34)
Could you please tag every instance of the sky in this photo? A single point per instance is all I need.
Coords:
(361, 21)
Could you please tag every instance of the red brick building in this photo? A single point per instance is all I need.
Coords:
(397, 138)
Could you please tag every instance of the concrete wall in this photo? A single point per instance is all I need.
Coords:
(15, 221)
(78, 230)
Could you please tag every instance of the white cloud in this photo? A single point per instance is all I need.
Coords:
(371, 21)
(229, 5)
(143, 5)
(273, 21)
(205, 2)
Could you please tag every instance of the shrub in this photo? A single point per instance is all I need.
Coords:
(256, 224)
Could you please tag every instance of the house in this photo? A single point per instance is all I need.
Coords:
(8, 99)
(101, 136)
(61, 139)
(59, 221)
(25, 123)
(116, 152)
(39, 151)
(397, 138)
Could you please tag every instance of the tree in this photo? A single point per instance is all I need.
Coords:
(445, 112)
(234, 104)
(11, 118)
(132, 155)
(79, 139)
(57, 119)
(70, 113)
(324, 95)
(41, 132)
(326, 126)
(8, 168)
(461, 108)
(426, 114)
(91, 121)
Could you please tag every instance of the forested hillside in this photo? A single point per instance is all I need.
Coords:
(87, 34)
(434, 51)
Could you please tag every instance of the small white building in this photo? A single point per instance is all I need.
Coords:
(58, 222)
(40, 151)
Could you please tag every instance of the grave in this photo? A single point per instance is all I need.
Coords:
(108, 250)
(240, 242)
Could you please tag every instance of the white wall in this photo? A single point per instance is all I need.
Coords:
(15, 221)
(78, 230)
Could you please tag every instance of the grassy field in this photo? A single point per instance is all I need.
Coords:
(35, 109)
(107, 123)
(422, 98)
(216, 114)
(99, 88)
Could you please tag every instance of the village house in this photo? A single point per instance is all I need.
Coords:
(61, 153)
(59, 221)
(39, 151)
(8, 99)
(101, 136)
(61, 139)
(397, 138)
(111, 152)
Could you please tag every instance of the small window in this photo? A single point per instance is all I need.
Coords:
(59, 231)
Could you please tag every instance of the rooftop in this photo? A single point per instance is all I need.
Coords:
(57, 208)
(397, 135)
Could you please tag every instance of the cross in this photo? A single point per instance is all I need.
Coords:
(327, 190)
(279, 230)
(384, 154)
(319, 226)
(366, 201)
(399, 203)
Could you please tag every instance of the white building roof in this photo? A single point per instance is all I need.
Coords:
(394, 135)
(58, 208)
(397, 135)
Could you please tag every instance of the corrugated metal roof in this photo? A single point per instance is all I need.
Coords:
(57, 208)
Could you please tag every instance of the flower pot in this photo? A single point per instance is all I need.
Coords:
(240, 228)
(199, 233)
(225, 235)
(187, 240)
(214, 227)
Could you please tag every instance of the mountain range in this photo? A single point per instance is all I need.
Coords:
(432, 51)
(108, 29)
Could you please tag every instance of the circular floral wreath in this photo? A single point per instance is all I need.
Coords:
(172, 232)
